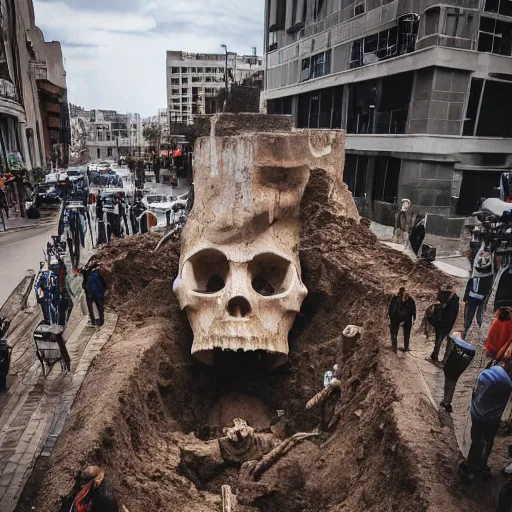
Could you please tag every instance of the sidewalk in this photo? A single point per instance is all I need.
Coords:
(15, 222)
(33, 412)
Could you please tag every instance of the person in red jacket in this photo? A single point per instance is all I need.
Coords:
(500, 333)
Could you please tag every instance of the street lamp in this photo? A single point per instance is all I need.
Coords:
(226, 76)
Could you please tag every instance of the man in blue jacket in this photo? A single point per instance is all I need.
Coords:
(95, 287)
(490, 397)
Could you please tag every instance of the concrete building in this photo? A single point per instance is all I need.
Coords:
(106, 134)
(34, 118)
(194, 77)
(161, 119)
(423, 89)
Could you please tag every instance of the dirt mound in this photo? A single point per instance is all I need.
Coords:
(139, 280)
(145, 397)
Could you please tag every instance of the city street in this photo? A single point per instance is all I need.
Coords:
(20, 251)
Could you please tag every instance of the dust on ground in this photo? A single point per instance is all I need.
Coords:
(145, 397)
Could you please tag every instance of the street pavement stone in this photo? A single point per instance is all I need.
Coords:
(37, 407)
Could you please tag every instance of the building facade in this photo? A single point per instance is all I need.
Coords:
(34, 116)
(105, 134)
(192, 78)
(161, 119)
(422, 88)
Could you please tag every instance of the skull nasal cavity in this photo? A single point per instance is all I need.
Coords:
(239, 307)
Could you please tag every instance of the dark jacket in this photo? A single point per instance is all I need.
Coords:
(450, 310)
(400, 310)
(93, 283)
(478, 288)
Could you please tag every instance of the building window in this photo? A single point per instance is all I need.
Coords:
(359, 9)
(109, 152)
(495, 36)
(175, 81)
(183, 70)
(304, 74)
(318, 9)
(175, 70)
(318, 109)
(495, 110)
(503, 7)
(475, 94)
(432, 21)
(184, 80)
(320, 64)
(386, 176)
(354, 174)
(272, 41)
(385, 44)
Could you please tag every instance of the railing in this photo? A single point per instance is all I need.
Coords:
(391, 121)
(41, 72)
(8, 90)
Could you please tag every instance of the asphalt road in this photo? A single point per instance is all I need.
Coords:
(20, 251)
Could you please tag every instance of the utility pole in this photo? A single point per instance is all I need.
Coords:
(226, 78)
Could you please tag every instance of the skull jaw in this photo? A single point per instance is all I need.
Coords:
(268, 351)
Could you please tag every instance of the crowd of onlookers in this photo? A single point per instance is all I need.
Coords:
(493, 386)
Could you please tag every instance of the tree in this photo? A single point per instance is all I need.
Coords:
(153, 134)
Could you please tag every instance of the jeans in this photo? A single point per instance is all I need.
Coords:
(449, 390)
(99, 301)
(472, 307)
(440, 336)
(482, 440)
(395, 327)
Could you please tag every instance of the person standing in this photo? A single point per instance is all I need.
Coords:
(475, 297)
(156, 168)
(500, 333)
(490, 397)
(94, 286)
(401, 311)
(5, 355)
(449, 311)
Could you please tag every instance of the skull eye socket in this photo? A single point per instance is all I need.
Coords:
(270, 274)
(207, 270)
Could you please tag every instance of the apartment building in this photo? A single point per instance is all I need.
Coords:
(194, 77)
(34, 117)
(106, 134)
(422, 88)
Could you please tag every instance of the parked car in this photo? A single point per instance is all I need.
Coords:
(157, 203)
(110, 196)
(46, 194)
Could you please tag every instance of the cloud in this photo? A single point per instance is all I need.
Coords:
(115, 57)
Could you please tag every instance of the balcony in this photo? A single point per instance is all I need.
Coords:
(389, 122)
(41, 72)
(8, 90)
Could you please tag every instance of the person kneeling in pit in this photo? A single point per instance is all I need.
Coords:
(91, 493)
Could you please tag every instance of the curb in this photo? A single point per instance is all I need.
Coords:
(26, 228)
(17, 300)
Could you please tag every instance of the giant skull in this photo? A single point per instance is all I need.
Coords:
(239, 277)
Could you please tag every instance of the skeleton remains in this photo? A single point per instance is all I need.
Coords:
(239, 277)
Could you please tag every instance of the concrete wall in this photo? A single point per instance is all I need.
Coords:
(427, 184)
(438, 101)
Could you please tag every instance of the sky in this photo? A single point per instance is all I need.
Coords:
(115, 50)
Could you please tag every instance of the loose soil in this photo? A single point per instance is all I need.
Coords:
(145, 398)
